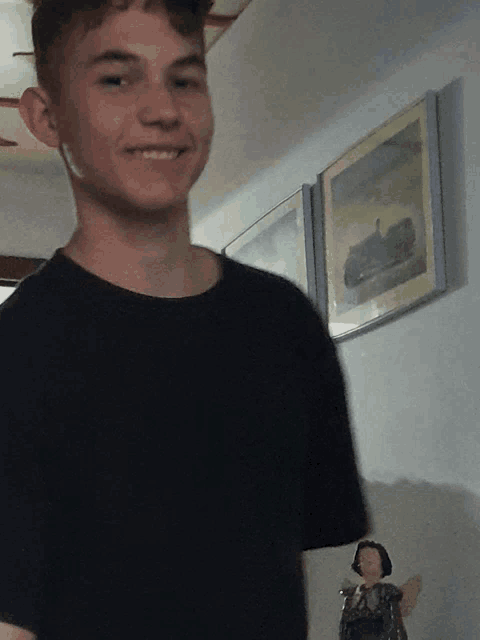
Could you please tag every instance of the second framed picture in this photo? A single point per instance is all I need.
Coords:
(382, 236)
(281, 241)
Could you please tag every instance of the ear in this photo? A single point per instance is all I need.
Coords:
(36, 112)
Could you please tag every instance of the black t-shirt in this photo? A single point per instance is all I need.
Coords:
(164, 459)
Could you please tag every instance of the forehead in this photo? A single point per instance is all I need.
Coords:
(148, 35)
(368, 552)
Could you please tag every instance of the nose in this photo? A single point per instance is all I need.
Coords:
(157, 106)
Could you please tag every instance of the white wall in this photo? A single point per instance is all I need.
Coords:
(414, 383)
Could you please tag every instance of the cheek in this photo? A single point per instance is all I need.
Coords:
(97, 118)
(201, 119)
(108, 120)
(209, 126)
(102, 133)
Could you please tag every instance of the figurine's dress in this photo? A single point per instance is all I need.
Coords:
(372, 614)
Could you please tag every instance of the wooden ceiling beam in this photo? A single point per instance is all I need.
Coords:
(13, 269)
(10, 102)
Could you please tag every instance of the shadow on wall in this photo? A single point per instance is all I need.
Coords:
(431, 530)
(452, 161)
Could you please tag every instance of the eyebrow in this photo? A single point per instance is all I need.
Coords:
(118, 55)
(190, 61)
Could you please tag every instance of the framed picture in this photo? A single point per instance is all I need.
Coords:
(281, 241)
(382, 234)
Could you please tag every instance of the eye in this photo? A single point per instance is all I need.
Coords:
(191, 81)
(113, 81)
(186, 83)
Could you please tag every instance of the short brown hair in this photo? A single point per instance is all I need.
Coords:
(369, 544)
(54, 20)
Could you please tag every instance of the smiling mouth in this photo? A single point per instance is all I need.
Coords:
(157, 155)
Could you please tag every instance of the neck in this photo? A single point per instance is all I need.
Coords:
(151, 257)
(370, 582)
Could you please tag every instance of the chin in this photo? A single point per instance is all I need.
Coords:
(155, 210)
(137, 206)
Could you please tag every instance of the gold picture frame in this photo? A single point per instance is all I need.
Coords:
(382, 233)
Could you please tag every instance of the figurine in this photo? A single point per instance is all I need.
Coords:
(375, 610)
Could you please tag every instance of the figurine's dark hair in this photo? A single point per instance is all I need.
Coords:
(369, 544)
(54, 20)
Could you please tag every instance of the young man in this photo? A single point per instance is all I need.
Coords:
(174, 424)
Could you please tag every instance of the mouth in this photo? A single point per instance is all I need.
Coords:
(156, 154)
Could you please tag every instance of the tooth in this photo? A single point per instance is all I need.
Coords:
(160, 155)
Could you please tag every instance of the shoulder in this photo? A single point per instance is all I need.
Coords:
(56, 290)
(19, 316)
(27, 307)
(37, 287)
(348, 592)
(389, 591)
(33, 322)
(272, 294)
(257, 280)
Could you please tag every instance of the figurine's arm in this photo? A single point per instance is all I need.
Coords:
(347, 592)
(410, 591)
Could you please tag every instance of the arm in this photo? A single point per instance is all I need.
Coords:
(298, 564)
(24, 504)
(335, 511)
(22, 528)
(10, 632)
(410, 591)
(347, 593)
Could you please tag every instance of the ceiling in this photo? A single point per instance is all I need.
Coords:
(289, 66)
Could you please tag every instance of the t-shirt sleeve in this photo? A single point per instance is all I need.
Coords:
(334, 507)
(22, 521)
